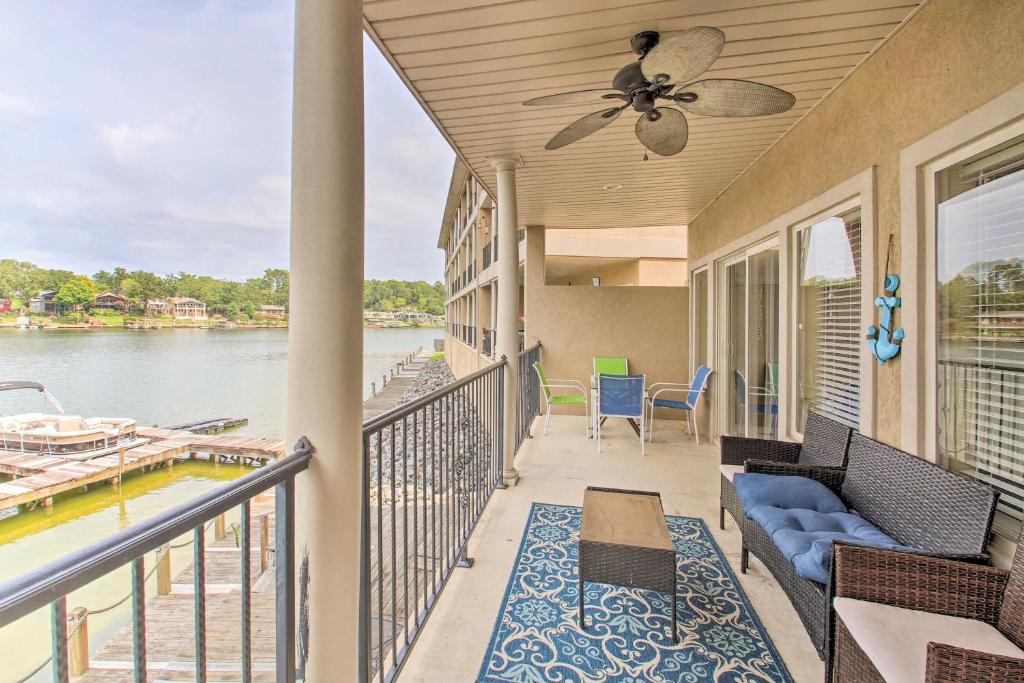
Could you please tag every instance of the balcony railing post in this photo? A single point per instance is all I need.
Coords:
(501, 418)
(139, 619)
(59, 639)
(245, 545)
(199, 599)
(365, 638)
(284, 569)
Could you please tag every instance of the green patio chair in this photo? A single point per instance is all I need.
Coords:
(563, 399)
(610, 366)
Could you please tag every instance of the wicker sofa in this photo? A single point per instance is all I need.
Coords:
(825, 445)
(926, 619)
(916, 503)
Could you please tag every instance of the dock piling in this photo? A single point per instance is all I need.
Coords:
(220, 527)
(264, 542)
(163, 570)
(78, 645)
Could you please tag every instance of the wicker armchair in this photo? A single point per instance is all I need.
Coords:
(825, 445)
(913, 501)
(941, 621)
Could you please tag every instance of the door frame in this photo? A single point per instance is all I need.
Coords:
(720, 350)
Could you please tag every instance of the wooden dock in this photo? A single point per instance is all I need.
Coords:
(390, 395)
(170, 632)
(39, 477)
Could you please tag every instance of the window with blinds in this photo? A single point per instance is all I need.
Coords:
(829, 329)
(980, 324)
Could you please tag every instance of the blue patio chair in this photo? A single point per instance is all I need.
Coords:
(758, 404)
(694, 390)
(621, 396)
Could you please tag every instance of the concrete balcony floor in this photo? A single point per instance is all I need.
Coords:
(556, 469)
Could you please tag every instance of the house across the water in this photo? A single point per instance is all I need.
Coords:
(187, 308)
(43, 303)
(273, 312)
(112, 301)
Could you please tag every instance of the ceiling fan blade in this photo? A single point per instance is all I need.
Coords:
(581, 128)
(666, 134)
(579, 96)
(683, 56)
(728, 97)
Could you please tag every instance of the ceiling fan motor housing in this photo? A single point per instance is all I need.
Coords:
(629, 78)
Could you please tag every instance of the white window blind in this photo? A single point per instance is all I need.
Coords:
(980, 327)
(830, 331)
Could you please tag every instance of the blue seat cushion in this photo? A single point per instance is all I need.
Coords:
(756, 489)
(669, 403)
(804, 537)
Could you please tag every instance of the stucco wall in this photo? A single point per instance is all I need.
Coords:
(462, 359)
(950, 58)
(649, 325)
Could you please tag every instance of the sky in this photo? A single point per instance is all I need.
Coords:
(156, 135)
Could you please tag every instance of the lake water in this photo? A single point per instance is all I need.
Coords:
(156, 377)
(172, 376)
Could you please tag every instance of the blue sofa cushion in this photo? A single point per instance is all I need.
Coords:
(785, 492)
(804, 537)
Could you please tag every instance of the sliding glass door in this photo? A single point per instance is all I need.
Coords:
(736, 346)
(751, 342)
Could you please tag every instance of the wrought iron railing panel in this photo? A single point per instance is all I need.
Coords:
(50, 584)
(528, 401)
(429, 468)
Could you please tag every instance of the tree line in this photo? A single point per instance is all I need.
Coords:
(22, 280)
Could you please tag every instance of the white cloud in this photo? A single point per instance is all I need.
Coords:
(17, 104)
(130, 143)
(56, 201)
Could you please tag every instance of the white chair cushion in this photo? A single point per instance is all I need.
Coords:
(896, 639)
(730, 471)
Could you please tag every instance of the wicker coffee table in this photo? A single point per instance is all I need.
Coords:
(624, 541)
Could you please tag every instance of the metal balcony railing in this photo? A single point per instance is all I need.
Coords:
(528, 400)
(429, 469)
(50, 584)
(486, 256)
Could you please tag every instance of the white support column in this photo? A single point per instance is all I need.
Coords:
(325, 342)
(508, 302)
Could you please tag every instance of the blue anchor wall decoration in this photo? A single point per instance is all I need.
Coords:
(884, 342)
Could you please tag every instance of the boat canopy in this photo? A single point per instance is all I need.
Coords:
(10, 385)
(7, 386)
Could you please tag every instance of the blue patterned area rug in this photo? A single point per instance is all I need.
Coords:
(628, 636)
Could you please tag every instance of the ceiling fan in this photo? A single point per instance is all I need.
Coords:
(666, 70)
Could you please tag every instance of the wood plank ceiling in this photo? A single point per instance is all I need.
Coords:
(471, 63)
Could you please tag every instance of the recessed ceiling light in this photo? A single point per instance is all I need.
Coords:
(613, 186)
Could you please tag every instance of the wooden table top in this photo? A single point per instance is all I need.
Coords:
(624, 518)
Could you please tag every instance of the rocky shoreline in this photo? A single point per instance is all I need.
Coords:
(455, 420)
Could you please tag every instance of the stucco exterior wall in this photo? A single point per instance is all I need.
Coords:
(949, 59)
(462, 359)
(649, 325)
